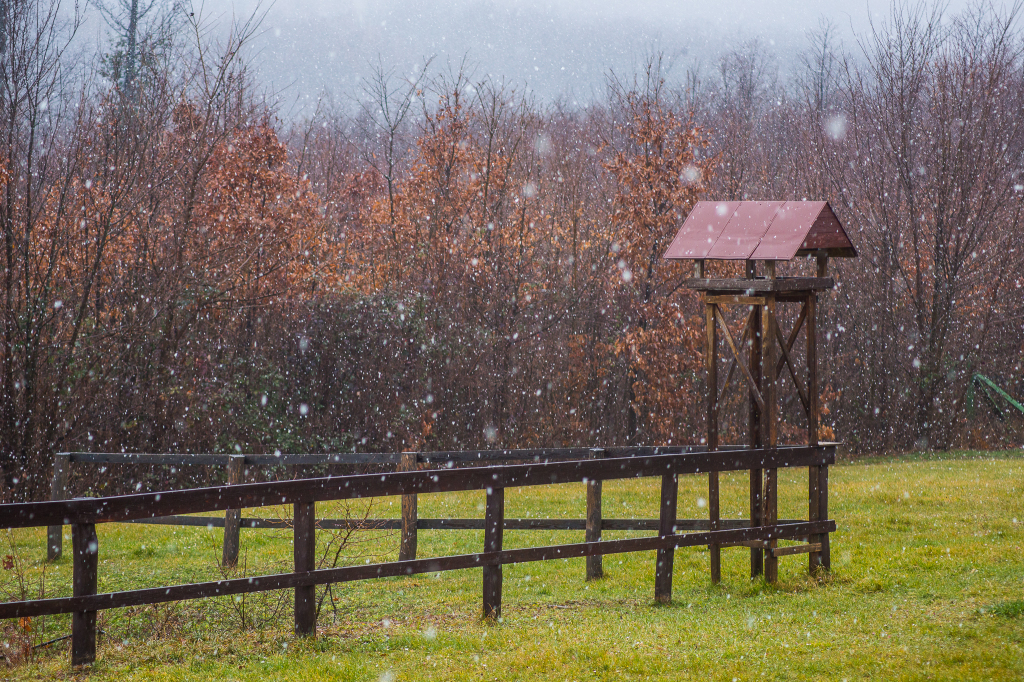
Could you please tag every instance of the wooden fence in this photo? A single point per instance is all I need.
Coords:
(409, 524)
(760, 533)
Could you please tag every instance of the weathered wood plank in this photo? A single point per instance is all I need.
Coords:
(795, 549)
(758, 544)
(441, 457)
(452, 524)
(733, 299)
(395, 458)
(749, 287)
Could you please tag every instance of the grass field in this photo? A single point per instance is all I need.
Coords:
(927, 583)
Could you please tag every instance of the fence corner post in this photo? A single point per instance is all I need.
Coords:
(233, 517)
(494, 526)
(85, 547)
(595, 566)
(58, 491)
(410, 513)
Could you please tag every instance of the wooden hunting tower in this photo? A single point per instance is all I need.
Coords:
(766, 231)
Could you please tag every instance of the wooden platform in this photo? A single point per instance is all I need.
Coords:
(740, 286)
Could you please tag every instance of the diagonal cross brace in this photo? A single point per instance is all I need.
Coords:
(736, 354)
(792, 339)
(733, 362)
(788, 360)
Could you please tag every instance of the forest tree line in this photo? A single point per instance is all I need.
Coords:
(453, 265)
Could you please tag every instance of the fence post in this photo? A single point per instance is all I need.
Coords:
(711, 360)
(816, 560)
(410, 513)
(595, 567)
(667, 526)
(58, 491)
(494, 526)
(770, 426)
(233, 517)
(304, 552)
(826, 547)
(85, 562)
(755, 424)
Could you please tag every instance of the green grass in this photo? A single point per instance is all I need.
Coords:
(927, 583)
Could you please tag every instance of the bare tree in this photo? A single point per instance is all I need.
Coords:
(821, 64)
(138, 23)
(927, 175)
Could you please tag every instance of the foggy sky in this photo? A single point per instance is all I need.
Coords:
(559, 48)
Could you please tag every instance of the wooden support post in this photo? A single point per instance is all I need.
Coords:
(826, 546)
(494, 527)
(813, 416)
(58, 491)
(711, 361)
(233, 517)
(304, 553)
(666, 526)
(595, 567)
(813, 407)
(814, 514)
(822, 265)
(755, 433)
(770, 426)
(698, 269)
(410, 513)
(85, 565)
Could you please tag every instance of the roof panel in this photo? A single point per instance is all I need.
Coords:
(760, 230)
(745, 229)
(701, 229)
(787, 232)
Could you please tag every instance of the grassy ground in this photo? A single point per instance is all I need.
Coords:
(928, 583)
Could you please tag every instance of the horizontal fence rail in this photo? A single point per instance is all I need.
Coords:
(449, 524)
(303, 464)
(219, 498)
(219, 588)
(761, 531)
(442, 457)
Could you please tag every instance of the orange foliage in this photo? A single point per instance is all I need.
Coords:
(256, 227)
(660, 178)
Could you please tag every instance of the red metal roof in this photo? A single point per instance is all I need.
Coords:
(760, 230)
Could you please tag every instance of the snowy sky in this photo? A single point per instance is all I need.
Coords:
(554, 48)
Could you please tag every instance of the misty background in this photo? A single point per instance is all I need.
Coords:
(558, 50)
